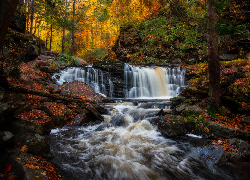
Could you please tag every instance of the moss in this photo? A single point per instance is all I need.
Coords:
(187, 101)
(191, 114)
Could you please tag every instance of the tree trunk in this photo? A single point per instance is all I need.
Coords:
(213, 59)
(73, 29)
(7, 9)
(27, 17)
(32, 16)
(63, 40)
(50, 43)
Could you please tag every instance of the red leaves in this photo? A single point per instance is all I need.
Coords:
(7, 169)
(35, 115)
(6, 175)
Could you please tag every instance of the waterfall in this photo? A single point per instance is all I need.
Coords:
(139, 82)
(89, 75)
(153, 82)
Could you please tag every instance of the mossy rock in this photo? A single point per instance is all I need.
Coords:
(177, 100)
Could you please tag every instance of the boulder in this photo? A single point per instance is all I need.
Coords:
(23, 126)
(94, 113)
(81, 61)
(172, 129)
(82, 118)
(213, 155)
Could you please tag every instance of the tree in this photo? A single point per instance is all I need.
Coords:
(73, 30)
(213, 59)
(7, 9)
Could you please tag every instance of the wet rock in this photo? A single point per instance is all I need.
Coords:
(102, 127)
(93, 113)
(101, 109)
(213, 154)
(171, 130)
(82, 118)
(161, 113)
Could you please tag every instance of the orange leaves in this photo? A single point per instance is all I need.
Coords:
(47, 168)
(58, 109)
(28, 77)
(28, 165)
(36, 116)
(24, 148)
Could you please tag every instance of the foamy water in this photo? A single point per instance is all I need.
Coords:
(131, 148)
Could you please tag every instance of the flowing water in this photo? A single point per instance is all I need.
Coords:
(153, 82)
(139, 82)
(128, 146)
(89, 75)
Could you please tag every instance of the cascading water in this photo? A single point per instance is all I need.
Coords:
(153, 82)
(89, 75)
(127, 146)
(139, 82)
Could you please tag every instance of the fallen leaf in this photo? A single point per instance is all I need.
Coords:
(24, 148)
(7, 169)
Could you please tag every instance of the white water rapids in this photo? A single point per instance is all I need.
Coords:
(127, 146)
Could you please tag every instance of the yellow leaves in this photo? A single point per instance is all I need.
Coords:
(206, 129)
(24, 148)
(28, 165)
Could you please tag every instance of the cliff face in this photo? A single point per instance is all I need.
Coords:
(128, 44)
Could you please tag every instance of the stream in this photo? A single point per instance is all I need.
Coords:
(127, 146)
